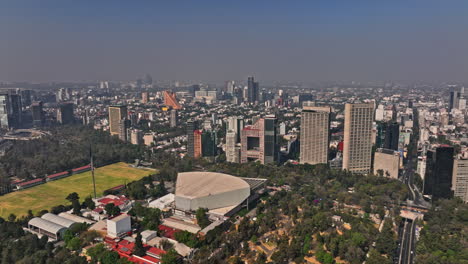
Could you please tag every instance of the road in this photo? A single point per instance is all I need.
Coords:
(406, 248)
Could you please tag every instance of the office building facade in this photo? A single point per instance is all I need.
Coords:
(259, 142)
(37, 112)
(65, 113)
(439, 172)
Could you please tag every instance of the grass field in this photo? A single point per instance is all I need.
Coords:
(53, 193)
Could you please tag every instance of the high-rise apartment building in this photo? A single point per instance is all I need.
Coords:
(65, 113)
(116, 113)
(460, 179)
(439, 172)
(258, 141)
(232, 147)
(315, 127)
(357, 149)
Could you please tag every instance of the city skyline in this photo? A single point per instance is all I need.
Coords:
(304, 41)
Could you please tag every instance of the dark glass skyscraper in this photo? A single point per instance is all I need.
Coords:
(392, 136)
(439, 169)
(252, 90)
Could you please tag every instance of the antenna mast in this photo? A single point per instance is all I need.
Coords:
(92, 170)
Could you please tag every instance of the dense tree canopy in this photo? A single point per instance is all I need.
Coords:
(65, 148)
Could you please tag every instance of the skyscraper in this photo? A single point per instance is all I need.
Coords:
(37, 114)
(392, 136)
(209, 144)
(65, 113)
(258, 141)
(16, 115)
(116, 113)
(235, 124)
(230, 85)
(315, 127)
(358, 137)
(453, 100)
(191, 127)
(173, 118)
(197, 143)
(144, 97)
(252, 90)
(439, 172)
(124, 125)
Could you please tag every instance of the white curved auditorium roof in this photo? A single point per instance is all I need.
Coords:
(200, 184)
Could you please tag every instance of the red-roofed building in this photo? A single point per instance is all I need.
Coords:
(118, 200)
(81, 169)
(125, 249)
(57, 176)
(168, 232)
(28, 184)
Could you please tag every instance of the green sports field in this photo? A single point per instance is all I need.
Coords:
(50, 194)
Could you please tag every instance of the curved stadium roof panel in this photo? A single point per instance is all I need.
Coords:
(46, 225)
(58, 220)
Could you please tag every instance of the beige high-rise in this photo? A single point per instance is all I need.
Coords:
(357, 150)
(116, 113)
(315, 128)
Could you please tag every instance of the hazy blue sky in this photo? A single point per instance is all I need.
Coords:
(43, 40)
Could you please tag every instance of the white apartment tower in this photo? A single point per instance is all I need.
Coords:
(315, 127)
(357, 150)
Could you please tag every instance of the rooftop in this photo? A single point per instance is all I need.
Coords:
(200, 184)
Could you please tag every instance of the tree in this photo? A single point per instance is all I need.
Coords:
(74, 243)
(111, 209)
(11, 217)
(170, 257)
(75, 201)
(165, 244)
(73, 197)
(385, 243)
(89, 203)
(109, 257)
(139, 250)
(202, 218)
(96, 252)
(376, 258)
